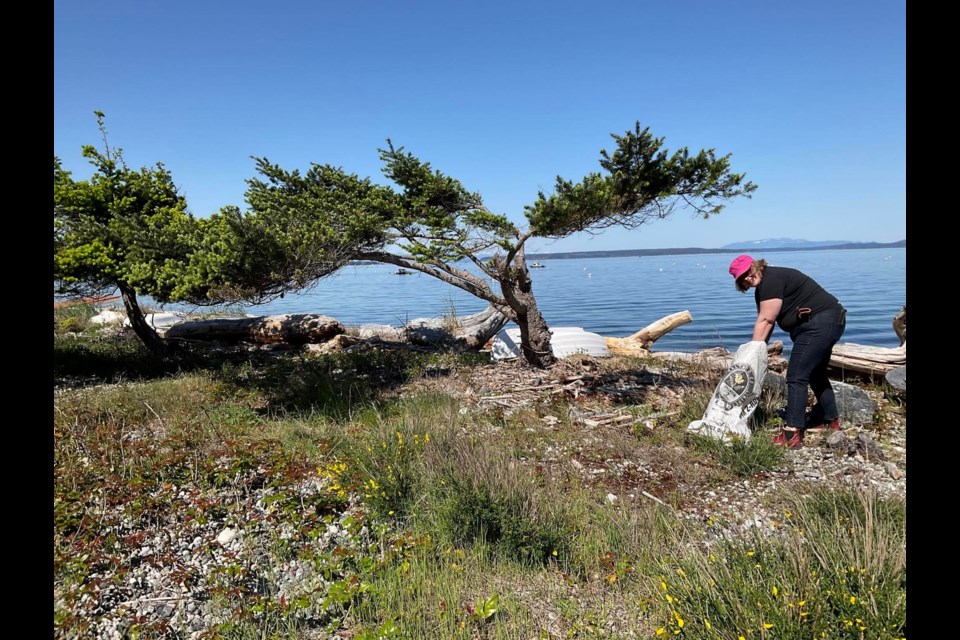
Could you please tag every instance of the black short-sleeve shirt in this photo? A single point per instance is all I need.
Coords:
(797, 290)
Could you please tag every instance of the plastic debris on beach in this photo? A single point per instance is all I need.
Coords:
(564, 341)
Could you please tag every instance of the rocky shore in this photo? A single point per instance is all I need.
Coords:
(173, 565)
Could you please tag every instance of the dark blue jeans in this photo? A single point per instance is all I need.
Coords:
(813, 341)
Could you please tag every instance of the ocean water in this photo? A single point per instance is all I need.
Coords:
(619, 296)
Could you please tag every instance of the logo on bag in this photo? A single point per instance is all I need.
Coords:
(735, 385)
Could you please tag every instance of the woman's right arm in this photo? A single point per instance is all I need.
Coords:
(767, 318)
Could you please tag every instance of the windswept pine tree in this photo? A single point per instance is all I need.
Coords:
(123, 229)
(431, 223)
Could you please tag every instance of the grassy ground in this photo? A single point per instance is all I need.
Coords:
(373, 502)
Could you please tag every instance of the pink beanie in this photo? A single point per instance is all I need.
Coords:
(740, 265)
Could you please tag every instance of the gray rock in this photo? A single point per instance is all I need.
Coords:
(862, 445)
(868, 447)
(774, 382)
(853, 402)
(837, 440)
(897, 378)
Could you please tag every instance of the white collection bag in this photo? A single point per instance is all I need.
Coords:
(736, 396)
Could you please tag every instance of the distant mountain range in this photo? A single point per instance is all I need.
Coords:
(758, 246)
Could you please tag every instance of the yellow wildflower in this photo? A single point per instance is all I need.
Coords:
(767, 625)
(775, 592)
(661, 631)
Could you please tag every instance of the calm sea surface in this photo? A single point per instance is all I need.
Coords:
(619, 296)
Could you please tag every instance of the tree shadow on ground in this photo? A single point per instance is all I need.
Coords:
(288, 381)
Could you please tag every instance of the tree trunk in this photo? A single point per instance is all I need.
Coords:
(534, 332)
(140, 326)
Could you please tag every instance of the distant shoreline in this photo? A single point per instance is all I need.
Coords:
(900, 244)
(626, 253)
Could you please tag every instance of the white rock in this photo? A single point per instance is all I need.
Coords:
(227, 536)
(612, 499)
(108, 316)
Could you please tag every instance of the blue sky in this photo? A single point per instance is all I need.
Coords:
(808, 97)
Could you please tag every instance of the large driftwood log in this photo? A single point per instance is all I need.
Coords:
(640, 342)
(464, 332)
(857, 358)
(290, 328)
(467, 332)
(720, 359)
(850, 357)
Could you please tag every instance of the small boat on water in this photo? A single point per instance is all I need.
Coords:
(403, 272)
(537, 265)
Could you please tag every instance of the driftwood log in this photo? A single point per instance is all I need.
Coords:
(289, 328)
(466, 332)
(874, 361)
(720, 359)
(860, 359)
(639, 343)
(847, 358)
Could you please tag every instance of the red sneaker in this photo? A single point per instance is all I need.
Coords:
(789, 438)
(832, 425)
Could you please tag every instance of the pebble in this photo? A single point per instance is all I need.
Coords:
(227, 536)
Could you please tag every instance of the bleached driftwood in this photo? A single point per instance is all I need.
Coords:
(858, 358)
(850, 357)
(291, 328)
(719, 358)
(464, 332)
(468, 332)
(640, 342)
